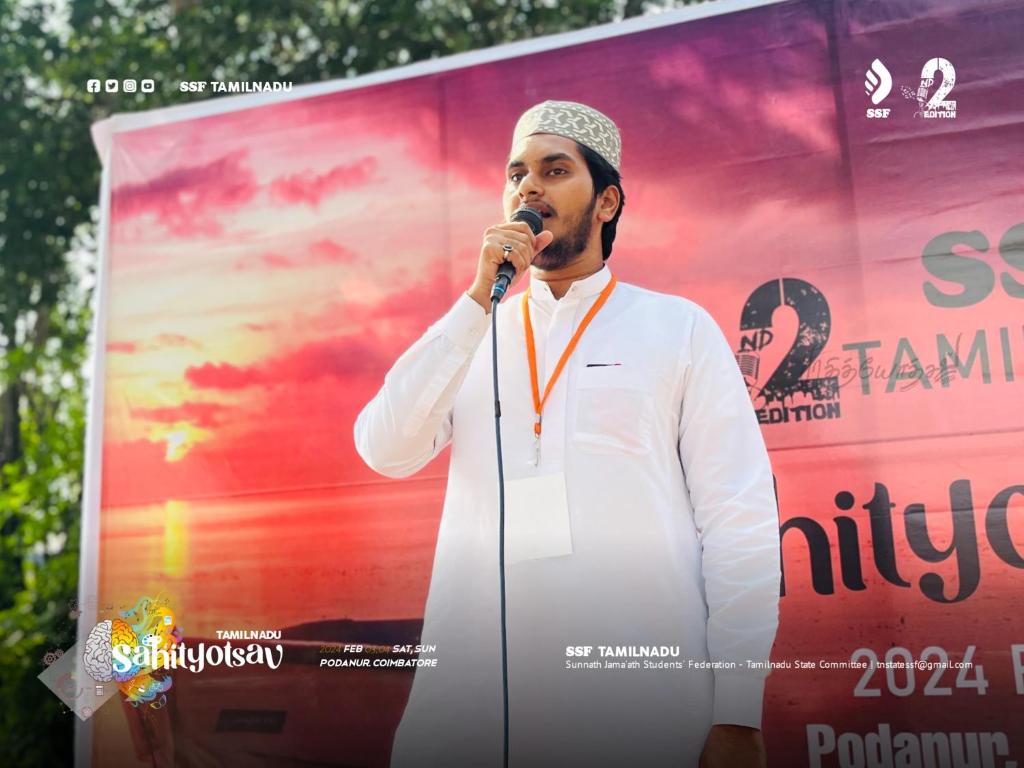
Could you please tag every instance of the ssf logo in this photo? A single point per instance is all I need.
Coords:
(877, 85)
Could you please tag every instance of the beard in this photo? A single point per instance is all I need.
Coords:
(563, 250)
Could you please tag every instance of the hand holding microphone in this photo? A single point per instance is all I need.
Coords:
(507, 251)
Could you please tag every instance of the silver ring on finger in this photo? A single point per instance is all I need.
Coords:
(507, 248)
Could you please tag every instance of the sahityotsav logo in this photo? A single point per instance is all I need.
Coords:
(136, 652)
(877, 85)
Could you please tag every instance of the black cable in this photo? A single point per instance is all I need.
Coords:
(501, 530)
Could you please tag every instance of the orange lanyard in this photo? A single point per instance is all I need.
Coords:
(531, 350)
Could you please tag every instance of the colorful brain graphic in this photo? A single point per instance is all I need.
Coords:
(98, 657)
(121, 633)
(147, 625)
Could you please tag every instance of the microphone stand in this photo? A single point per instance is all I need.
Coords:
(501, 284)
(501, 529)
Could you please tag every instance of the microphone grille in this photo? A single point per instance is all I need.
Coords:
(533, 219)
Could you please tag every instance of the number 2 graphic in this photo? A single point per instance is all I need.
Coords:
(948, 80)
(815, 326)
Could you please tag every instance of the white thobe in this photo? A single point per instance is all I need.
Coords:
(674, 530)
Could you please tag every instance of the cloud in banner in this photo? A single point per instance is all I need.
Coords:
(205, 415)
(162, 341)
(124, 347)
(188, 200)
(310, 187)
(175, 340)
(319, 253)
(260, 327)
(338, 358)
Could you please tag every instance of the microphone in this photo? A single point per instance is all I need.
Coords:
(507, 270)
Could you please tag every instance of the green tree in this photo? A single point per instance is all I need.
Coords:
(45, 197)
(49, 176)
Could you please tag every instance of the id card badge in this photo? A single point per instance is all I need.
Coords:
(536, 518)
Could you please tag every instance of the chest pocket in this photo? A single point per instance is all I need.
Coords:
(614, 411)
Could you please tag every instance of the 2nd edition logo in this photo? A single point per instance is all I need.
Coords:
(878, 86)
(113, 85)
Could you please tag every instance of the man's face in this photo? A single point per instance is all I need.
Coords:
(548, 173)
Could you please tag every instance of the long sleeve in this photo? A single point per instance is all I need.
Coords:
(409, 421)
(729, 478)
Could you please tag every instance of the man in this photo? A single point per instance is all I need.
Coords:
(642, 570)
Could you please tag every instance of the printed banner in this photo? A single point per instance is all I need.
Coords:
(838, 183)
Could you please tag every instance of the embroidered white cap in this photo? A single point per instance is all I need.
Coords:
(574, 121)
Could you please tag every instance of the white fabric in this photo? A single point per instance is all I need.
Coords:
(674, 530)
